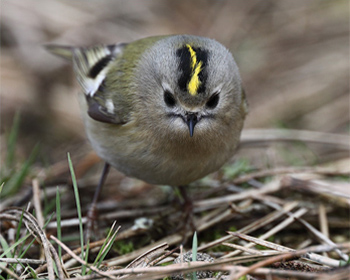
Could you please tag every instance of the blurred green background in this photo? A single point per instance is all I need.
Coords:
(293, 56)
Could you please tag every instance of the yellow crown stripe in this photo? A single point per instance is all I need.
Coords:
(194, 83)
(193, 56)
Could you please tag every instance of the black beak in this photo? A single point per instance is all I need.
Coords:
(191, 120)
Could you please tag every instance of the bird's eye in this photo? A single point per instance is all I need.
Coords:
(213, 101)
(169, 98)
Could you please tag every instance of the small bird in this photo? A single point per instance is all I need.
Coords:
(167, 109)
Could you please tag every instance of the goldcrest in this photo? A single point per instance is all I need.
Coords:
(167, 110)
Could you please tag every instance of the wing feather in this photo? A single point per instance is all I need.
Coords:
(91, 65)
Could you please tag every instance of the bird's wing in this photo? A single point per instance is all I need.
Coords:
(91, 65)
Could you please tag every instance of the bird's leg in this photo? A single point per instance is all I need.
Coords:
(187, 212)
(92, 214)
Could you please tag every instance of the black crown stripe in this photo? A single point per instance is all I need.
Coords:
(99, 66)
(185, 68)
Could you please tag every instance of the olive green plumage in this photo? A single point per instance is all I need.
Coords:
(167, 110)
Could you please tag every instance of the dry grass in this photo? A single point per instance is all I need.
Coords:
(279, 210)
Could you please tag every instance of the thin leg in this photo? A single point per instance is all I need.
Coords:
(92, 214)
(188, 213)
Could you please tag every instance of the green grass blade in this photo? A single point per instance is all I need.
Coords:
(33, 273)
(5, 247)
(194, 253)
(7, 252)
(107, 246)
(27, 248)
(83, 268)
(77, 201)
(15, 182)
(194, 247)
(96, 261)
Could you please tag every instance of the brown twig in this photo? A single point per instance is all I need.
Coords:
(283, 257)
(250, 136)
(17, 214)
(81, 261)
